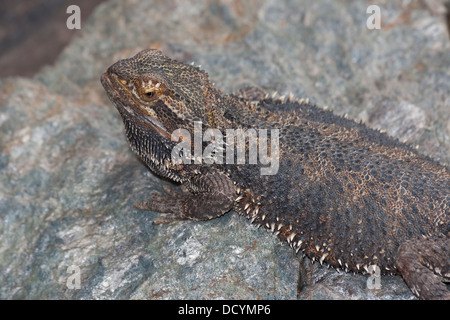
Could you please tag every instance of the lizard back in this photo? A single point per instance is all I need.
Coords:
(345, 194)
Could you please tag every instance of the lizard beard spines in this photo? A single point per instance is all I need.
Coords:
(151, 150)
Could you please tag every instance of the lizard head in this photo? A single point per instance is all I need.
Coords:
(156, 95)
(160, 93)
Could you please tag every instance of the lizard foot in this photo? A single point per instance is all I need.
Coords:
(213, 196)
(170, 206)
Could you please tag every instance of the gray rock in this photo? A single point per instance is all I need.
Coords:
(68, 229)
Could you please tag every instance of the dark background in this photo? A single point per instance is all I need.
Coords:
(34, 32)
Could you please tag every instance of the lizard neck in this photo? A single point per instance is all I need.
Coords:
(216, 105)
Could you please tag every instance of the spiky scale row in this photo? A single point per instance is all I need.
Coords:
(250, 211)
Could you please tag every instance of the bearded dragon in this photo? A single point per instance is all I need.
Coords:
(343, 194)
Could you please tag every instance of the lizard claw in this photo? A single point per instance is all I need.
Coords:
(160, 203)
(170, 206)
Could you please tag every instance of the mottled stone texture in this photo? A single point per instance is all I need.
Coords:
(69, 179)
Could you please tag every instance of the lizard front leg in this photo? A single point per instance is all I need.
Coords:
(208, 196)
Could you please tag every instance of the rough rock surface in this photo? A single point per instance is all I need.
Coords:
(69, 179)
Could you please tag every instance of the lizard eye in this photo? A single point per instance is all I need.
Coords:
(149, 90)
(149, 95)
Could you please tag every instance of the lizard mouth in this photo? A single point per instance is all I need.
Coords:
(124, 101)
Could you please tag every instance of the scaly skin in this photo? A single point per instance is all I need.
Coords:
(344, 194)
